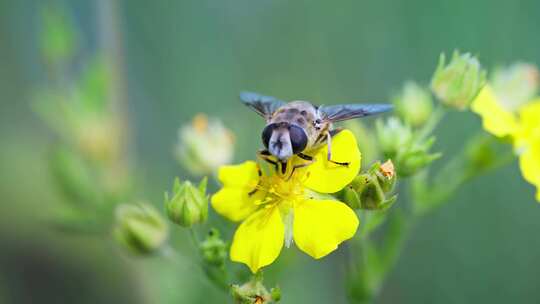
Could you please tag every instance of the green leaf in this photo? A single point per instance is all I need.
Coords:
(58, 37)
(93, 87)
(74, 178)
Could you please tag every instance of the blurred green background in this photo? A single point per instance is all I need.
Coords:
(185, 57)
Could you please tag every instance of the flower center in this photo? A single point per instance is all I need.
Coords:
(285, 192)
(281, 191)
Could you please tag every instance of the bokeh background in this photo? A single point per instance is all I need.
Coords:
(185, 57)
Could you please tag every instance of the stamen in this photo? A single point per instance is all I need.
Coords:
(263, 201)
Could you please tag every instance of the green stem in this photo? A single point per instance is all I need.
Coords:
(111, 43)
(216, 275)
(433, 121)
(194, 238)
(173, 256)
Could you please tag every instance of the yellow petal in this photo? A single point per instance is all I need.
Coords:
(327, 177)
(240, 175)
(527, 141)
(529, 162)
(529, 114)
(236, 200)
(529, 125)
(495, 118)
(234, 203)
(321, 225)
(259, 239)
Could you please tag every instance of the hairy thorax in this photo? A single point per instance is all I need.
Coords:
(302, 114)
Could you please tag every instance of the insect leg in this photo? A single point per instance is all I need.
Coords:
(310, 160)
(265, 155)
(329, 155)
(305, 157)
(255, 190)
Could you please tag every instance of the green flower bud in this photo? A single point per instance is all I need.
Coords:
(413, 104)
(372, 190)
(400, 144)
(481, 154)
(371, 195)
(214, 249)
(392, 136)
(214, 253)
(204, 145)
(98, 138)
(516, 84)
(255, 292)
(458, 83)
(188, 204)
(415, 157)
(275, 294)
(140, 228)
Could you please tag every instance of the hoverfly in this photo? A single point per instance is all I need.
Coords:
(298, 127)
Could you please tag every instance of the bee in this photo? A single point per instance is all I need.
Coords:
(298, 127)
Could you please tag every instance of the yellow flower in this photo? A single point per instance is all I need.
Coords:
(527, 143)
(496, 119)
(522, 125)
(276, 209)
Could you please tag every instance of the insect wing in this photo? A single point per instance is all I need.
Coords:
(263, 105)
(350, 111)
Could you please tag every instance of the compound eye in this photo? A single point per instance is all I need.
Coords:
(298, 139)
(267, 133)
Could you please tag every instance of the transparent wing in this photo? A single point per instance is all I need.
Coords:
(350, 111)
(264, 105)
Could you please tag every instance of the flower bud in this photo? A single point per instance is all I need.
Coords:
(481, 154)
(140, 228)
(415, 157)
(214, 249)
(204, 145)
(255, 292)
(372, 190)
(188, 204)
(458, 83)
(275, 294)
(98, 138)
(409, 152)
(392, 135)
(516, 85)
(413, 104)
